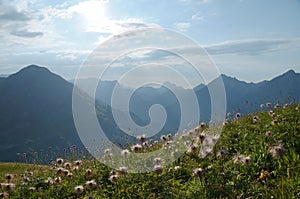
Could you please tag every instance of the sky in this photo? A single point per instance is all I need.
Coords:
(252, 40)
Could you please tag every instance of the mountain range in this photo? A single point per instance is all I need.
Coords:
(36, 107)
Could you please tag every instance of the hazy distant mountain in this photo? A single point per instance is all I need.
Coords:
(241, 96)
(36, 113)
(247, 97)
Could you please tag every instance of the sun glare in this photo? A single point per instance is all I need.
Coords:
(93, 13)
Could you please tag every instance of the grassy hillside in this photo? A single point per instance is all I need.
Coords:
(257, 156)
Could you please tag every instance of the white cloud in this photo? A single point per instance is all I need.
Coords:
(182, 26)
(253, 46)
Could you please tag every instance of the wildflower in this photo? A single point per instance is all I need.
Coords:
(107, 152)
(202, 137)
(263, 174)
(176, 168)
(268, 104)
(57, 180)
(75, 168)
(285, 106)
(49, 181)
(163, 138)
(170, 169)
(169, 143)
(247, 160)
(277, 151)
(169, 136)
(113, 172)
(297, 108)
(67, 165)
(225, 123)
(4, 195)
(113, 178)
(69, 175)
(32, 189)
(88, 173)
(145, 144)
(193, 149)
(79, 189)
(59, 161)
(268, 133)
(202, 125)
(125, 153)
(271, 113)
(242, 159)
(157, 161)
(142, 138)
(198, 172)
(237, 115)
(78, 162)
(8, 187)
(136, 148)
(222, 154)
(158, 169)
(197, 129)
(255, 118)
(262, 106)
(276, 106)
(91, 184)
(60, 170)
(274, 122)
(9, 177)
(123, 170)
(26, 179)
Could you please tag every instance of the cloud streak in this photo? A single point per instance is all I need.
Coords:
(253, 47)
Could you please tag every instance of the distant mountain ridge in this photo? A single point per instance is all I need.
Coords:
(36, 107)
(241, 96)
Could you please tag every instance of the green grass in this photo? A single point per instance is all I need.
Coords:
(15, 168)
(264, 176)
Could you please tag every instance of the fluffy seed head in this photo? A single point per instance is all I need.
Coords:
(78, 189)
(277, 151)
(158, 169)
(59, 161)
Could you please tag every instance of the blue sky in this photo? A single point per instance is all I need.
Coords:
(249, 39)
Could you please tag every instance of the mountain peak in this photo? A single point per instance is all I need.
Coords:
(290, 72)
(33, 71)
(33, 68)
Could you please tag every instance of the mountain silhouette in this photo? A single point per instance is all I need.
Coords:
(36, 114)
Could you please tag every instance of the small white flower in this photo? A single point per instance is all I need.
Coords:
(67, 165)
(59, 161)
(123, 170)
(113, 178)
(57, 180)
(9, 176)
(91, 184)
(78, 162)
(158, 169)
(157, 161)
(125, 153)
(198, 172)
(79, 189)
(88, 172)
(277, 151)
(136, 148)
